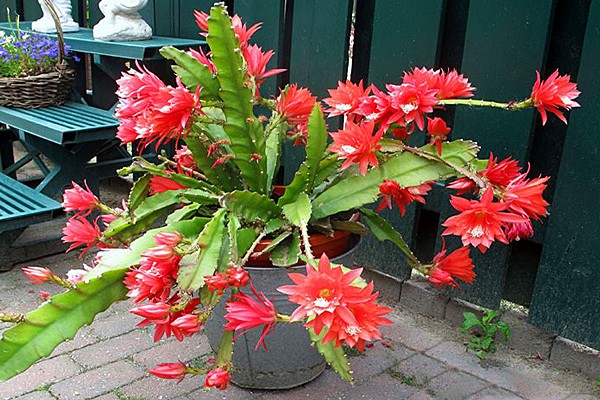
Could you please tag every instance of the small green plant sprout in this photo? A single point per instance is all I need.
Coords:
(482, 339)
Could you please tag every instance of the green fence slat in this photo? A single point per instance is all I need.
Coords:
(566, 299)
(504, 45)
(405, 34)
(319, 54)
(269, 12)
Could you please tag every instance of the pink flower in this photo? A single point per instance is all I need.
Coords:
(218, 378)
(357, 144)
(391, 191)
(554, 93)
(295, 104)
(480, 222)
(170, 371)
(498, 174)
(346, 98)
(243, 312)
(79, 199)
(457, 264)
(243, 33)
(203, 58)
(451, 84)
(519, 230)
(81, 232)
(438, 130)
(38, 275)
(256, 64)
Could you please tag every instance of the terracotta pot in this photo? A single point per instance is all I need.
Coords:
(291, 359)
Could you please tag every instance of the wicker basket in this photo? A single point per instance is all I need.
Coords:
(43, 90)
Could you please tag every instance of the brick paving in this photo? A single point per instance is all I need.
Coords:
(423, 358)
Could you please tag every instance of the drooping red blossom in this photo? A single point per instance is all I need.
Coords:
(322, 291)
(525, 196)
(163, 314)
(413, 101)
(518, 231)
(81, 232)
(157, 311)
(392, 192)
(184, 158)
(346, 98)
(357, 144)
(245, 313)
(457, 264)
(368, 316)
(219, 282)
(170, 371)
(256, 64)
(81, 200)
(159, 184)
(150, 281)
(554, 93)
(295, 104)
(165, 251)
(187, 324)
(480, 222)
(438, 130)
(498, 174)
(38, 275)
(238, 277)
(218, 378)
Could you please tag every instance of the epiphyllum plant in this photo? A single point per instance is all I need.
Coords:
(216, 196)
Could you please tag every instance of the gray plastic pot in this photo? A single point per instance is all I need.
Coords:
(291, 359)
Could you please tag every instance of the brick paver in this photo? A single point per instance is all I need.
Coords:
(39, 375)
(96, 382)
(454, 385)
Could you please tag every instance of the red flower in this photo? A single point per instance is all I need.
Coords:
(79, 199)
(186, 325)
(256, 64)
(357, 144)
(152, 312)
(413, 101)
(480, 222)
(219, 282)
(418, 76)
(170, 371)
(346, 99)
(204, 59)
(38, 275)
(184, 158)
(519, 230)
(295, 104)
(218, 378)
(159, 184)
(498, 174)
(243, 312)
(457, 264)
(368, 317)
(554, 93)
(243, 33)
(126, 131)
(391, 191)
(437, 129)
(321, 292)
(525, 196)
(451, 84)
(201, 20)
(238, 277)
(81, 232)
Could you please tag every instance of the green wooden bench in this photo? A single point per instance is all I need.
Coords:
(70, 135)
(21, 206)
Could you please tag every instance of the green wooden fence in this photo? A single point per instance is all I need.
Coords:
(498, 44)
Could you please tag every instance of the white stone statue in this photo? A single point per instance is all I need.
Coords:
(122, 21)
(46, 23)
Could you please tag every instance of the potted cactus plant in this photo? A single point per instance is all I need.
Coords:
(193, 225)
